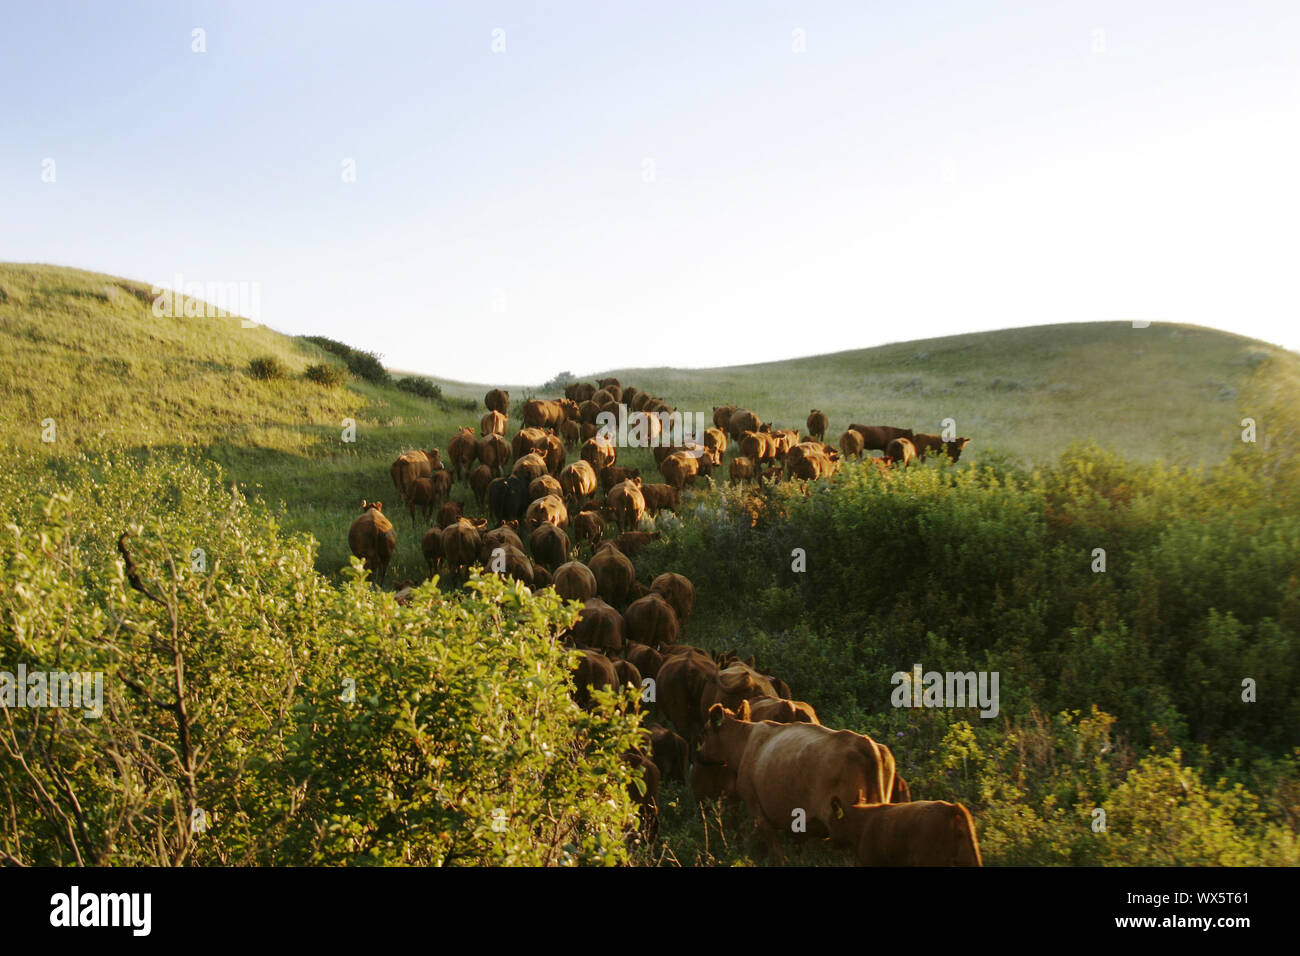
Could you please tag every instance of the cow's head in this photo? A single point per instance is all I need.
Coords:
(725, 733)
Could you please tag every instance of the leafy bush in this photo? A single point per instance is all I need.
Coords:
(420, 386)
(364, 365)
(300, 721)
(331, 376)
(557, 384)
(267, 367)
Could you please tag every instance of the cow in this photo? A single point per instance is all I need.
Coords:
(715, 439)
(550, 545)
(852, 444)
(575, 582)
(421, 494)
(628, 675)
(878, 437)
(660, 496)
(670, 753)
(647, 659)
(632, 543)
(539, 413)
(542, 486)
(494, 452)
(462, 449)
(614, 574)
(613, 474)
(742, 420)
(678, 591)
(900, 450)
(784, 768)
(645, 793)
(722, 416)
(594, 672)
(508, 498)
(599, 626)
(680, 468)
(579, 391)
(589, 526)
(685, 675)
(529, 440)
(411, 465)
(578, 483)
(530, 466)
(625, 503)
(813, 466)
(493, 423)
(782, 711)
(373, 539)
(598, 452)
(509, 561)
(570, 432)
(951, 449)
(742, 469)
(507, 533)
(732, 684)
(920, 833)
(460, 544)
(549, 509)
(431, 547)
(651, 620)
(554, 453)
(713, 782)
(497, 400)
(480, 479)
(817, 424)
(541, 577)
(450, 513)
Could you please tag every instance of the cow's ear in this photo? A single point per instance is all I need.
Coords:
(745, 712)
(715, 716)
(379, 506)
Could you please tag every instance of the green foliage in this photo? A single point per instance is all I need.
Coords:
(266, 367)
(225, 690)
(559, 381)
(420, 386)
(365, 365)
(331, 376)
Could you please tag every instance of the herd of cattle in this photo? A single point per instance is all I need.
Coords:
(738, 734)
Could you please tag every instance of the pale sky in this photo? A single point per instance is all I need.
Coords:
(687, 184)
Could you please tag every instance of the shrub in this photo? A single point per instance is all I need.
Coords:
(364, 365)
(460, 743)
(556, 384)
(267, 367)
(331, 376)
(420, 386)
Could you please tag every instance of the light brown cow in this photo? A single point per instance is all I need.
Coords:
(462, 450)
(494, 451)
(900, 450)
(598, 452)
(373, 539)
(578, 483)
(529, 440)
(852, 444)
(493, 423)
(544, 485)
(782, 711)
(626, 503)
(920, 833)
(549, 509)
(530, 467)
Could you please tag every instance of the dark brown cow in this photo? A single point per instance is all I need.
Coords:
(431, 547)
(651, 620)
(571, 433)
(589, 526)
(632, 543)
(614, 574)
(373, 539)
(550, 545)
(512, 562)
(450, 513)
(817, 424)
(722, 416)
(613, 475)
(647, 659)
(928, 443)
(421, 495)
(462, 450)
(920, 833)
(682, 681)
(670, 753)
(460, 543)
(742, 420)
(575, 582)
(900, 450)
(678, 590)
(660, 496)
(742, 469)
(599, 626)
(498, 400)
(879, 436)
(479, 480)
(594, 672)
(507, 533)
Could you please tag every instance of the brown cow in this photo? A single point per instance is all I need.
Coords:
(647, 659)
(550, 509)
(493, 423)
(742, 469)
(589, 526)
(782, 711)
(715, 439)
(599, 453)
(921, 833)
(512, 562)
(462, 450)
(670, 753)
(651, 620)
(539, 413)
(879, 436)
(599, 626)
(450, 513)
(529, 440)
(613, 474)
(633, 543)
(900, 450)
(660, 496)
(461, 542)
(678, 590)
(594, 672)
(421, 494)
(625, 503)
(951, 449)
(682, 681)
(431, 547)
(852, 444)
(713, 782)
(550, 545)
(530, 466)
(578, 483)
(373, 539)
(817, 424)
(742, 420)
(614, 574)
(571, 433)
(497, 400)
(506, 533)
(542, 486)
(413, 464)
(494, 452)
(733, 684)
(680, 468)
(722, 416)
(784, 768)
(554, 453)
(575, 582)
(628, 675)
(902, 792)
(479, 480)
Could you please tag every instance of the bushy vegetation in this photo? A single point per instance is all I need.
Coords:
(420, 386)
(979, 568)
(254, 713)
(558, 382)
(267, 367)
(365, 365)
(327, 374)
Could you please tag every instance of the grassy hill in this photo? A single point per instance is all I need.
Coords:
(86, 350)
